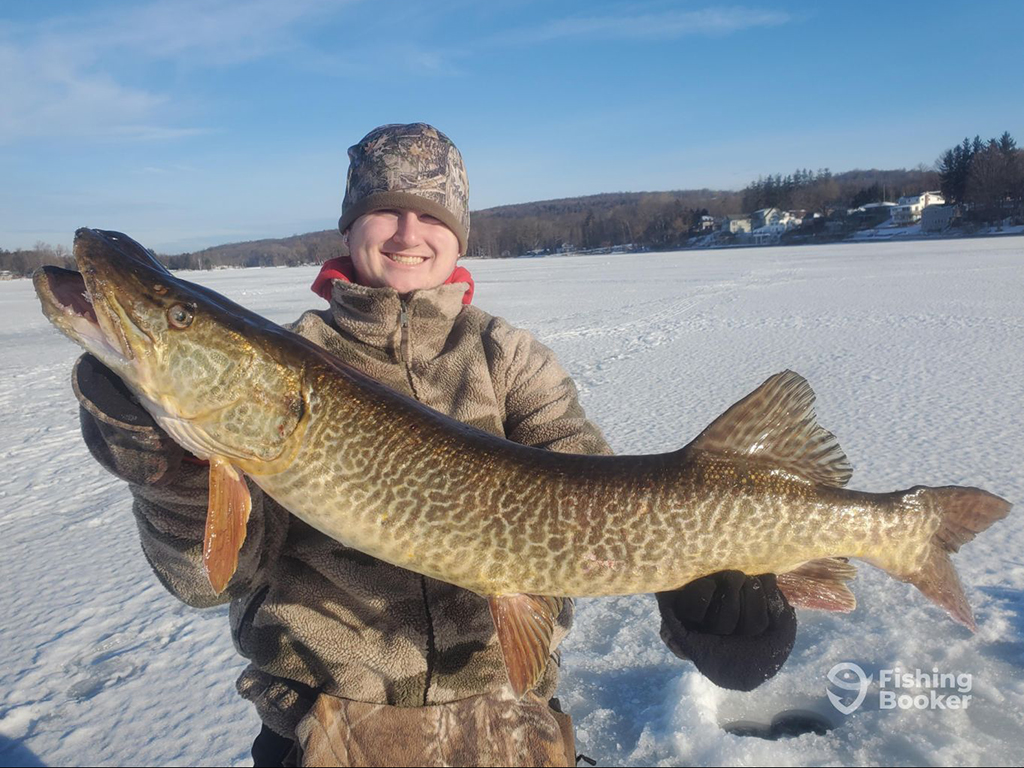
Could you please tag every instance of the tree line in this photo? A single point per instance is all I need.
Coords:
(822, 191)
(294, 251)
(665, 220)
(985, 177)
(297, 250)
(985, 180)
(24, 262)
(641, 219)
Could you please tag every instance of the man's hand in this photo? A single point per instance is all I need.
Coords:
(119, 432)
(736, 629)
(104, 390)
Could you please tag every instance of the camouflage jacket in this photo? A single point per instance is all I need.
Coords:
(311, 614)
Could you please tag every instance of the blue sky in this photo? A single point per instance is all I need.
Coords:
(187, 123)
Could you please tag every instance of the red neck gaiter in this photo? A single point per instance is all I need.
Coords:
(342, 268)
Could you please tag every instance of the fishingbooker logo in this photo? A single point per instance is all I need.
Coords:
(899, 689)
(849, 677)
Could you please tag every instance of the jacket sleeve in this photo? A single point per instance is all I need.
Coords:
(169, 491)
(541, 403)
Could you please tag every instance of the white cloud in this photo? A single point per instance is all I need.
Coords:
(217, 32)
(166, 169)
(67, 76)
(154, 132)
(45, 92)
(650, 26)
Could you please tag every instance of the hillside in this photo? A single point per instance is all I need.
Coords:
(644, 220)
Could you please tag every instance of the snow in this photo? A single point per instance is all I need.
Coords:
(887, 230)
(915, 350)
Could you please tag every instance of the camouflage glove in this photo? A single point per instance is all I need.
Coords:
(119, 433)
(736, 629)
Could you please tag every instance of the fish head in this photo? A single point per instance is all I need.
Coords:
(208, 370)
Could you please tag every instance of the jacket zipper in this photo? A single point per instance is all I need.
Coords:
(405, 346)
(403, 330)
(405, 355)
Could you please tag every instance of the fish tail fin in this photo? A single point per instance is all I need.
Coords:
(963, 514)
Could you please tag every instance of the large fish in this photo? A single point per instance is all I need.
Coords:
(760, 490)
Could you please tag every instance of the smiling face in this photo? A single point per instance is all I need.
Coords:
(402, 249)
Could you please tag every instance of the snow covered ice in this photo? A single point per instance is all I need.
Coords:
(915, 351)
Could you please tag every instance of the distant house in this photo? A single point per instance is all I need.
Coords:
(704, 224)
(871, 215)
(778, 223)
(736, 224)
(909, 209)
(936, 218)
(6, 274)
(765, 217)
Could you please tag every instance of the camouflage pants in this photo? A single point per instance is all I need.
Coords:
(493, 729)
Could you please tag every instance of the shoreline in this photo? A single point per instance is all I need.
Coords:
(610, 252)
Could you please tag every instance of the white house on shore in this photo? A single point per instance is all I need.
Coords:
(936, 218)
(772, 224)
(736, 224)
(765, 217)
(908, 209)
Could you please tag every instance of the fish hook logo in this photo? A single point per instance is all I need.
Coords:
(849, 677)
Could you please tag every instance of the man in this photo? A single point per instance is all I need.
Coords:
(355, 661)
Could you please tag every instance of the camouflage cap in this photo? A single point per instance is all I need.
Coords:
(412, 166)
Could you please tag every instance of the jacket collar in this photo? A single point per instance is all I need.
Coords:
(375, 316)
(342, 269)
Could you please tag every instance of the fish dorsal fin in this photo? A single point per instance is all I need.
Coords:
(525, 624)
(226, 519)
(776, 422)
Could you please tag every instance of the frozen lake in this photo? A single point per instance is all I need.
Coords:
(915, 351)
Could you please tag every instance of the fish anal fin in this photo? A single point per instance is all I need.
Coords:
(226, 519)
(776, 422)
(820, 584)
(525, 624)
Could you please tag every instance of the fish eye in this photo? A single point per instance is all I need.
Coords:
(180, 316)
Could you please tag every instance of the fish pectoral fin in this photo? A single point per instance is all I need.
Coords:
(820, 584)
(226, 520)
(776, 422)
(525, 624)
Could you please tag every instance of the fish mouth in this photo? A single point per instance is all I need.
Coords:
(71, 307)
(68, 293)
(84, 305)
